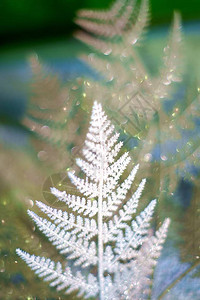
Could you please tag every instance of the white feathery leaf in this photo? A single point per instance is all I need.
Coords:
(106, 30)
(126, 184)
(149, 252)
(102, 46)
(87, 188)
(135, 33)
(113, 29)
(125, 213)
(79, 204)
(62, 279)
(83, 227)
(112, 241)
(67, 242)
(103, 15)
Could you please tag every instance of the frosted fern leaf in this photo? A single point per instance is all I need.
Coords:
(99, 234)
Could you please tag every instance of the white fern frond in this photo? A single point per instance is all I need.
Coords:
(105, 36)
(62, 279)
(107, 29)
(83, 227)
(149, 253)
(122, 66)
(79, 204)
(112, 242)
(103, 15)
(134, 35)
(115, 198)
(87, 188)
(102, 46)
(66, 241)
(134, 235)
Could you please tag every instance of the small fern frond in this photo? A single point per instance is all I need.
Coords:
(172, 60)
(66, 241)
(83, 227)
(79, 204)
(134, 235)
(103, 15)
(134, 35)
(53, 272)
(107, 30)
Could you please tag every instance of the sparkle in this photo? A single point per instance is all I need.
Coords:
(147, 157)
(163, 157)
(42, 155)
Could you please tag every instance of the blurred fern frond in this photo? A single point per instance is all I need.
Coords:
(119, 64)
(139, 99)
(53, 107)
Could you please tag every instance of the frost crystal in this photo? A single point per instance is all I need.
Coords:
(99, 234)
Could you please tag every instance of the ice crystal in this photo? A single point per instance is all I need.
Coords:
(99, 235)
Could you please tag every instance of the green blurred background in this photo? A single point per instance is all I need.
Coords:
(38, 19)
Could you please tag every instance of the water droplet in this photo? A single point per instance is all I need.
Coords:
(133, 41)
(108, 51)
(31, 203)
(189, 144)
(45, 130)
(10, 292)
(75, 150)
(163, 157)
(74, 88)
(166, 82)
(147, 157)
(42, 155)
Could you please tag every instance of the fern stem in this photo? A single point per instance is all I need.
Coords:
(100, 227)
